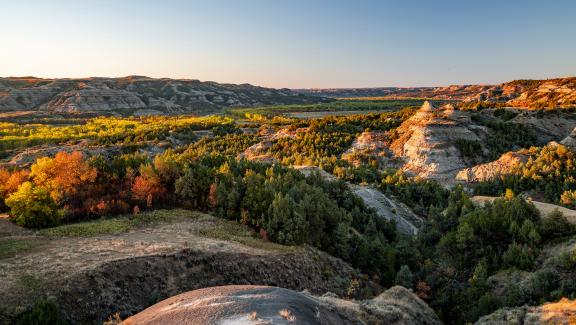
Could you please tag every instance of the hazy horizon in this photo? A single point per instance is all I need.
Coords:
(327, 44)
(363, 87)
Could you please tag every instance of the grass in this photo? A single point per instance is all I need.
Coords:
(118, 225)
(211, 227)
(12, 247)
(30, 281)
(233, 231)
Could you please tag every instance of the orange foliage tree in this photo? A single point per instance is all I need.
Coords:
(9, 183)
(63, 174)
(147, 187)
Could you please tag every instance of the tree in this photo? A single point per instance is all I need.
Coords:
(147, 187)
(194, 186)
(257, 198)
(509, 195)
(404, 277)
(556, 226)
(480, 275)
(568, 197)
(33, 207)
(519, 256)
(43, 312)
(287, 224)
(167, 168)
(9, 183)
(63, 174)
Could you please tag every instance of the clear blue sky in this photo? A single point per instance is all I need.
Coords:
(291, 43)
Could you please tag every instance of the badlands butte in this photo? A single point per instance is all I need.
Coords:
(423, 205)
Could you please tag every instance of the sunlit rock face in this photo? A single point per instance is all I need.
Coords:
(426, 142)
(570, 140)
(561, 312)
(491, 170)
(246, 304)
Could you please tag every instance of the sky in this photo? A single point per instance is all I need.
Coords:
(291, 43)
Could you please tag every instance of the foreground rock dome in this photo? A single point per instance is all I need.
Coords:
(248, 304)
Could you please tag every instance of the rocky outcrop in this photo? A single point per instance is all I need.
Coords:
(532, 94)
(136, 95)
(240, 305)
(547, 94)
(550, 126)
(261, 150)
(427, 142)
(94, 99)
(407, 222)
(258, 152)
(370, 145)
(561, 312)
(570, 140)
(272, 305)
(488, 171)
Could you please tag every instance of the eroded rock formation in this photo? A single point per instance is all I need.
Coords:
(491, 170)
(427, 142)
(272, 305)
(136, 95)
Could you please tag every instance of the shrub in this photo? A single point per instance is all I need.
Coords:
(567, 260)
(469, 148)
(404, 277)
(556, 226)
(32, 207)
(44, 312)
(543, 282)
(519, 256)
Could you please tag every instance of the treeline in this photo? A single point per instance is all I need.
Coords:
(280, 203)
(337, 105)
(106, 130)
(550, 174)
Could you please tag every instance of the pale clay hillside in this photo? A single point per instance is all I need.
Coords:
(136, 95)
